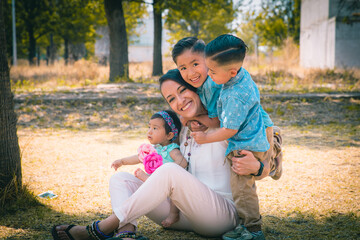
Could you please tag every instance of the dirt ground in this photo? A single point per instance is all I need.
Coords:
(68, 147)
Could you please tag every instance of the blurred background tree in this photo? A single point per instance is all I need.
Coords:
(54, 29)
(272, 23)
(202, 19)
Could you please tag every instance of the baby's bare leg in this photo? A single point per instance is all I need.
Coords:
(140, 174)
(173, 216)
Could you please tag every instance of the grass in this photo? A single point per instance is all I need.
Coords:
(68, 149)
(281, 74)
(61, 77)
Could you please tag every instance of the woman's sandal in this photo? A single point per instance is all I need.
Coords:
(55, 235)
(93, 231)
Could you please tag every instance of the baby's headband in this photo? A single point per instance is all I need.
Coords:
(170, 122)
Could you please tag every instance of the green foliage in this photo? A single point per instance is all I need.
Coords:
(276, 21)
(76, 19)
(202, 19)
(34, 19)
(133, 12)
(73, 20)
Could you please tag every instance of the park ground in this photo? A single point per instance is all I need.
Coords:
(67, 146)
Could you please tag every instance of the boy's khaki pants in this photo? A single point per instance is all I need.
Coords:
(244, 188)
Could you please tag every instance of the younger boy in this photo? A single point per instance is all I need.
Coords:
(241, 122)
(189, 56)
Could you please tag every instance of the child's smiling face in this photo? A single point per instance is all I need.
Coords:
(192, 67)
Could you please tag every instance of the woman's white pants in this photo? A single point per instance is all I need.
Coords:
(201, 209)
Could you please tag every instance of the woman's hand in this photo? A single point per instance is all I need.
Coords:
(116, 164)
(248, 164)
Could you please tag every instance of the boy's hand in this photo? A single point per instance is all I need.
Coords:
(116, 164)
(196, 126)
(200, 137)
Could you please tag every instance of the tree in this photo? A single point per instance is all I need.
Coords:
(10, 163)
(35, 17)
(157, 54)
(76, 21)
(119, 60)
(276, 21)
(203, 19)
(116, 15)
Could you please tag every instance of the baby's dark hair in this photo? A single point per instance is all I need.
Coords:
(174, 117)
(192, 43)
(226, 49)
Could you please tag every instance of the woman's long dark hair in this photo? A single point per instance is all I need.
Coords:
(174, 75)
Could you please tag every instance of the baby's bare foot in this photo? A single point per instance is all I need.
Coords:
(140, 174)
(170, 220)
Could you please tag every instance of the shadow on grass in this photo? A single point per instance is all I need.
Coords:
(302, 226)
(27, 218)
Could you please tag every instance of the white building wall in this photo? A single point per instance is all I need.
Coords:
(140, 47)
(317, 44)
(313, 11)
(314, 33)
(140, 53)
(326, 42)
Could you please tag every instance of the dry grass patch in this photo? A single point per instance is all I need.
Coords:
(82, 73)
(317, 197)
(281, 73)
(68, 148)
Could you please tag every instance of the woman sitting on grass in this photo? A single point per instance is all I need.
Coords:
(202, 194)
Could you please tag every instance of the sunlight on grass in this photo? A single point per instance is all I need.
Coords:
(67, 147)
(312, 198)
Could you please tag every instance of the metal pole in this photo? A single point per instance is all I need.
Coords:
(14, 34)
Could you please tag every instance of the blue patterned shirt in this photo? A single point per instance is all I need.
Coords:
(209, 93)
(239, 108)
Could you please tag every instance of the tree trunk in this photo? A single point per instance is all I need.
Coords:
(66, 51)
(38, 56)
(32, 46)
(157, 57)
(119, 60)
(10, 163)
(52, 50)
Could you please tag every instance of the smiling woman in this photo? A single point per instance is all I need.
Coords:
(202, 193)
(181, 97)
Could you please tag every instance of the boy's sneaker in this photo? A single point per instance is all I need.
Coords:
(239, 233)
(276, 174)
